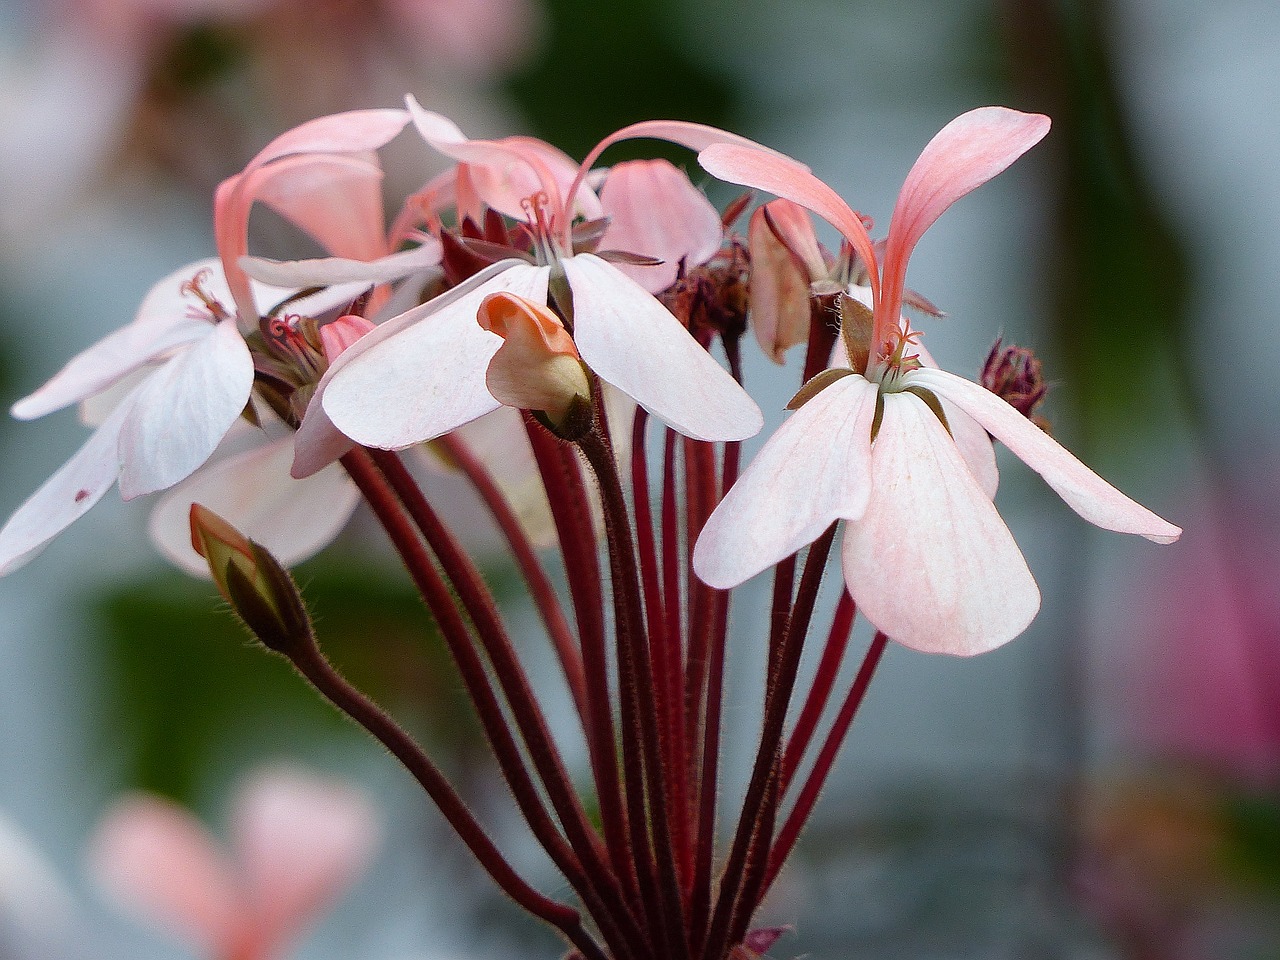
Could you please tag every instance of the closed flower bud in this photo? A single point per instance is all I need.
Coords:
(1015, 375)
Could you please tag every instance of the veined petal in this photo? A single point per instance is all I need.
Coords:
(1084, 491)
(636, 344)
(791, 180)
(964, 155)
(324, 271)
(183, 410)
(814, 470)
(654, 210)
(301, 840)
(66, 496)
(422, 374)
(159, 862)
(294, 519)
(931, 563)
(779, 289)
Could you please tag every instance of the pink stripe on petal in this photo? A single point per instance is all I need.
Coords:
(1084, 491)
(814, 470)
(931, 563)
(633, 342)
(792, 181)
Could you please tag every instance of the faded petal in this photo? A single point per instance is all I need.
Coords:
(183, 410)
(422, 374)
(631, 340)
(779, 289)
(160, 863)
(931, 563)
(654, 210)
(1084, 491)
(64, 497)
(293, 519)
(814, 470)
(324, 271)
(301, 840)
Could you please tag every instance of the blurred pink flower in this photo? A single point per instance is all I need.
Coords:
(297, 842)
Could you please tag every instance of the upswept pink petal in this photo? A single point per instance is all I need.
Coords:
(635, 343)
(253, 491)
(324, 271)
(1084, 491)
(182, 411)
(425, 207)
(422, 374)
(66, 496)
(301, 840)
(791, 180)
(349, 132)
(779, 290)
(335, 198)
(814, 470)
(156, 860)
(965, 154)
(931, 563)
(654, 210)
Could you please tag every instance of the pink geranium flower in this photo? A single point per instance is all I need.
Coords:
(181, 373)
(297, 842)
(420, 376)
(925, 554)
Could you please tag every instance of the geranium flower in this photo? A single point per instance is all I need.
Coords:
(181, 373)
(925, 554)
(298, 841)
(410, 381)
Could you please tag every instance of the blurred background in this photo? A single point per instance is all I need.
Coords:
(1107, 786)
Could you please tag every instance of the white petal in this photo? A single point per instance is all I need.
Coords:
(293, 519)
(422, 374)
(970, 436)
(183, 411)
(635, 343)
(931, 563)
(1084, 491)
(324, 271)
(815, 470)
(64, 497)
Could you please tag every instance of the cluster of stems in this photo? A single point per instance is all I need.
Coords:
(667, 874)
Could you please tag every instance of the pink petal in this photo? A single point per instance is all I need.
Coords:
(635, 343)
(654, 210)
(931, 563)
(814, 470)
(157, 861)
(325, 271)
(301, 841)
(970, 436)
(1084, 491)
(779, 290)
(183, 410)
(66, 496)
(791, 180)
(422, 374)
(253, 491)
(348, 132)
(965, 154)
(794, 228)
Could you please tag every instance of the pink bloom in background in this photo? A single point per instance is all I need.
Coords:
(298, 841)
(925, 555)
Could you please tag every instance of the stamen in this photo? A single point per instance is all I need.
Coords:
(195, 287)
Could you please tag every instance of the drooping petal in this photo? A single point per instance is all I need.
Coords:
(815, 470)
(972, 439)
(791, 180)
(293, 519)
(635, 343)
(964, 155)
(1083, 490)
(349, 132)
(159, 862)
(654, 210)
(422, 374)
(779, 289)
(66, 496)
(301, 841)
(183, 410)
(931, 563)
(323, 271)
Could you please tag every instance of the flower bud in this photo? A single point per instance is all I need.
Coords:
(537, 367)
(1015, 375)
(260, 591)
(342, 333)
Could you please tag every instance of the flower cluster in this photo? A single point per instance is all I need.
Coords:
(577, 308)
